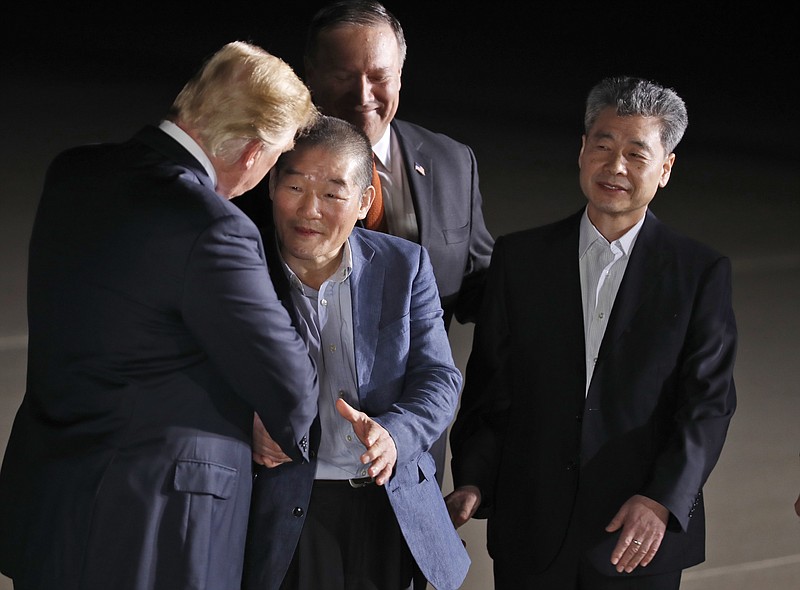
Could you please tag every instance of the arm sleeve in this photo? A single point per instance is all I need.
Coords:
(230, 305)
(707, 396)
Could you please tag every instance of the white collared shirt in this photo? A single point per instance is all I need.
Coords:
(602, 266)
(191, 146)
(397, 202)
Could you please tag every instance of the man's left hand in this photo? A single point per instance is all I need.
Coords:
(643, 522)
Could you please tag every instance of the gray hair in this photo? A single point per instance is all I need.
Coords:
(635, 96)
(340, 137)
(363, 13)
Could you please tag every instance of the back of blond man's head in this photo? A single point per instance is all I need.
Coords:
(240, 94)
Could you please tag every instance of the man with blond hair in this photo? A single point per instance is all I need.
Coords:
(154, 334)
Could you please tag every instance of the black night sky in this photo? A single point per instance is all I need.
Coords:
(507, 64)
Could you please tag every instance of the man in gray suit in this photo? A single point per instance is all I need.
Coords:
(429, 182)
(154, 333)
(367, 508)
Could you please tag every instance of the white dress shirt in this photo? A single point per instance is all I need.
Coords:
(602, 266)
(398, 205)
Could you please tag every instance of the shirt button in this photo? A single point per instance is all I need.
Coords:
(341, 393)
(601, 315)
(332, 348)
(323, 302)
(349, 438)
(363, 472)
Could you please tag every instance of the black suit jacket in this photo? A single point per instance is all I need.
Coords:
(154, 333)
(656, 414)
(444, 184)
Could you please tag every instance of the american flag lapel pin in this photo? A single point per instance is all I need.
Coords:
(419, 168)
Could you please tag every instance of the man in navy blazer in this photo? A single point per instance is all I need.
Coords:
(600, 385)
(154, 333)
(367, 507)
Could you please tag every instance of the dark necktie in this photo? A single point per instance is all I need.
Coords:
(376, 219)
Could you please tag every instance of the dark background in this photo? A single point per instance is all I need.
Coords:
(510, 80)
(510, 64)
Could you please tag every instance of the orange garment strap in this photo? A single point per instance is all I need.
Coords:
(376, 219)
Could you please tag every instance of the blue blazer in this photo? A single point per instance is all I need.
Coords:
(153, 335)
(408, 383)
(544, 452)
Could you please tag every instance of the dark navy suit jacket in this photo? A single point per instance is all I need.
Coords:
(154, 333)
(544, 453)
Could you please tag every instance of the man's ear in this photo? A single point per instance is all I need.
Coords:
(252, 152)
(666, 170)
(367, 197)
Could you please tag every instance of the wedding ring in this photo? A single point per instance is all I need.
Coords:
(637, 542)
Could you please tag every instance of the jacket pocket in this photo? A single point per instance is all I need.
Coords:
(201, 477)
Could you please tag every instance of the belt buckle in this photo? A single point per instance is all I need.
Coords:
(360, 482)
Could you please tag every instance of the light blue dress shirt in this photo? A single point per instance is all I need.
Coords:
(326, 325)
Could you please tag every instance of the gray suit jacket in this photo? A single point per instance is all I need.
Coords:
(408, 383)
(443, 174)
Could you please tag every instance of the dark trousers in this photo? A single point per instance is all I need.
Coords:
(350, 541)
(581, 576)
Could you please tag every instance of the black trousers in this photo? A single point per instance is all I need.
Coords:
(350, 541)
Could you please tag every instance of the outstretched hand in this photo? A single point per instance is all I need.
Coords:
(380, 448)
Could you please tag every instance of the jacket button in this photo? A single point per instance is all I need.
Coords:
(297, 512)
(572, 466)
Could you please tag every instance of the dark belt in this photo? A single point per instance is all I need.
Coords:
(360, 482)
(356, 482)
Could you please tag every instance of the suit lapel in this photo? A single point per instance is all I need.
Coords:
(642, 275)
(366, 288)
(419, 170)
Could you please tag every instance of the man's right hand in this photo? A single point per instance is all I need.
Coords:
(462, 504)
(265, 450)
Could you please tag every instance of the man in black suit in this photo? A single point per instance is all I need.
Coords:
(154, 333)
(599, 389)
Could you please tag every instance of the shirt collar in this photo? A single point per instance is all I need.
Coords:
(190, 145)
(342, 273)
(589, 234)
(382, 149)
